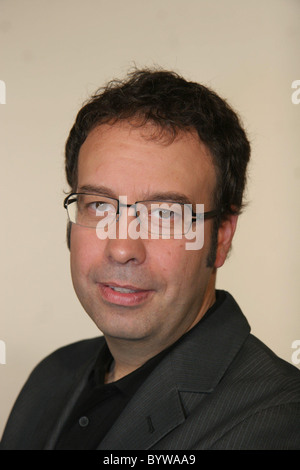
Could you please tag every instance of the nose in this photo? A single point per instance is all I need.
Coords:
(125, 249)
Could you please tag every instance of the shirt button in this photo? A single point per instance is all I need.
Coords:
(83, 421)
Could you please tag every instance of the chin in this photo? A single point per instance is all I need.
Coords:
(121, 329)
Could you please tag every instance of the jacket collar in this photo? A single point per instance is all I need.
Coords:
(210, 347)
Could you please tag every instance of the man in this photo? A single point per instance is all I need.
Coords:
(177, 367)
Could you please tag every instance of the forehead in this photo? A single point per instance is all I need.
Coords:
(137, 162)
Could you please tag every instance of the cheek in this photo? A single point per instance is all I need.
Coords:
(177, 266)
(84, 251)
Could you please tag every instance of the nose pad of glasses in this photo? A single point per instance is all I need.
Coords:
(132, 212)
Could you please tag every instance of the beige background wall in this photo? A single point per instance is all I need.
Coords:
(53, 54)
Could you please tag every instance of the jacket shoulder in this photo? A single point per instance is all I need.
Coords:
(74, 354)
(45, 392)
(258, 360)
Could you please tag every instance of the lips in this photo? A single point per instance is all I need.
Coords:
(125, 295)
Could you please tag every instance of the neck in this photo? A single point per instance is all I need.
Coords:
(127, 358)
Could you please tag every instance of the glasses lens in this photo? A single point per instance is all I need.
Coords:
(88, 209)
(164, 219)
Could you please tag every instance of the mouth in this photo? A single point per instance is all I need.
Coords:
(127, 296)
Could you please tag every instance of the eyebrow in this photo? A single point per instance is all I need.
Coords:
(103, 190)
(169, 196)
(159, 196)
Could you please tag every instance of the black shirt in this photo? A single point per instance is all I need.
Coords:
(100, 404)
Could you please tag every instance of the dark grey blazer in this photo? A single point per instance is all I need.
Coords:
(219, 388)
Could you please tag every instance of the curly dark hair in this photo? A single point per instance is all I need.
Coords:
(173, 104)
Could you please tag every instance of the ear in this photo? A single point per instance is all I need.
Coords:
(225, 235)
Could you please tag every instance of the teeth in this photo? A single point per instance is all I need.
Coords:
(123, 290)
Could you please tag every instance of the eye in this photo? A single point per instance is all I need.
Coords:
(100, 206)
(165, 214)
(100, 209)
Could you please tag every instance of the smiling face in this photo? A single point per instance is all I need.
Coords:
(144, 290)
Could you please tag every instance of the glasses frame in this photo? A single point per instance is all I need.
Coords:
(205, 215)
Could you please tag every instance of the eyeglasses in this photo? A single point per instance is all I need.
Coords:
(163, 218)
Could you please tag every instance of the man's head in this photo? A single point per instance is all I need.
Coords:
(154, 136)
